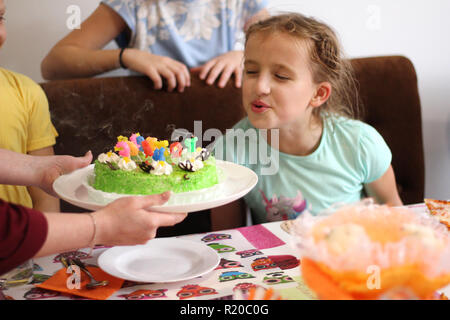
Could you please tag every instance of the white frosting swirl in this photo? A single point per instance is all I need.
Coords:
(110, 157)
(127, 164)
(160, 168)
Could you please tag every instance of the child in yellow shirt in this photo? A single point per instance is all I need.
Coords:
(25, 127)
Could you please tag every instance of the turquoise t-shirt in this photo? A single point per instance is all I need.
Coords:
(189, 31)
(350, 154)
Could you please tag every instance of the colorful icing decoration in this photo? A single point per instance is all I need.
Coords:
(162, 144)
(137, 139)
(148, 150)
(152, 142)
(133, 138)
(190, 144)
(158, 155)
(123, 148)
(134, 150)
(175, 149)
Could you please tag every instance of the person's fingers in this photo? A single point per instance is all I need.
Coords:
(205, 69)
(214, 73)
(146, 202)
(181, 77)
(170, 78)
(225, 76)
(166, 219)
(140, 202)
(187, 74)
(67, 164)
(86, 159)
(238, 77)
(155, 77)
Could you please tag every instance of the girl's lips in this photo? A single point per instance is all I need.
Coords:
(259, 106)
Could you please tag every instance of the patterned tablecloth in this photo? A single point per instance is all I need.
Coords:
(260, 255)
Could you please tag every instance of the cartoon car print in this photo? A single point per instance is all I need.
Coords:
(263, 264)
(234, 275)
(23, 274)
(215, 236)
(39, 278)
(191, 291)
(277, 278)
(145, 294)
(37, 267)
(249, 253)
(285, 262)
(225, 264)
(38, 293)
(245, 287)
(221, 247)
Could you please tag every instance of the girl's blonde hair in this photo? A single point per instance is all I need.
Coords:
(326, 57)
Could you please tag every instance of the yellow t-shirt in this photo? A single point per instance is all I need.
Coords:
(25, 124)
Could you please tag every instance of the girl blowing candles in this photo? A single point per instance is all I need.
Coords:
(300, 99)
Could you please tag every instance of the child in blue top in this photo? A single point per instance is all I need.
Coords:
(299, 135)
(164, 39)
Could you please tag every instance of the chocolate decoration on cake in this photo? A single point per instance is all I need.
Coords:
(146, 167)
(186, 167)
(204, 155)
(112, 166)
(186, 177)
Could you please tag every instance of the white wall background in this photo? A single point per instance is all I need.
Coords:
(417, 29)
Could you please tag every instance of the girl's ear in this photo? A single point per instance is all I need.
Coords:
(323, 92)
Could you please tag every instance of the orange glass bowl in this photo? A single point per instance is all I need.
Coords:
(367, 251)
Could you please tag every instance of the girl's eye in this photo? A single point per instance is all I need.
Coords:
(250, 71)
(281, 77)
(2, 18)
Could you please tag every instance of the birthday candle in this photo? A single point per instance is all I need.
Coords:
(191, 143)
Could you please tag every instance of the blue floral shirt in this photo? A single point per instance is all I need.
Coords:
(190, 31)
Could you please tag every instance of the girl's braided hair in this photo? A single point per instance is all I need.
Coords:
(326, 57)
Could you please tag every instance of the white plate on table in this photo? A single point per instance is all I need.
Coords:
(236, 182)
(160, 260)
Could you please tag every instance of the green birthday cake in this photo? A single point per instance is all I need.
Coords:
(147, 166)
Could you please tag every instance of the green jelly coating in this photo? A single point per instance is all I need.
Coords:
(141, 183)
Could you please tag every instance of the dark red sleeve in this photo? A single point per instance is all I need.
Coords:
(22, 233)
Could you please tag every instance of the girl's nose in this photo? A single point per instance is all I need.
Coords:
(263, 85)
